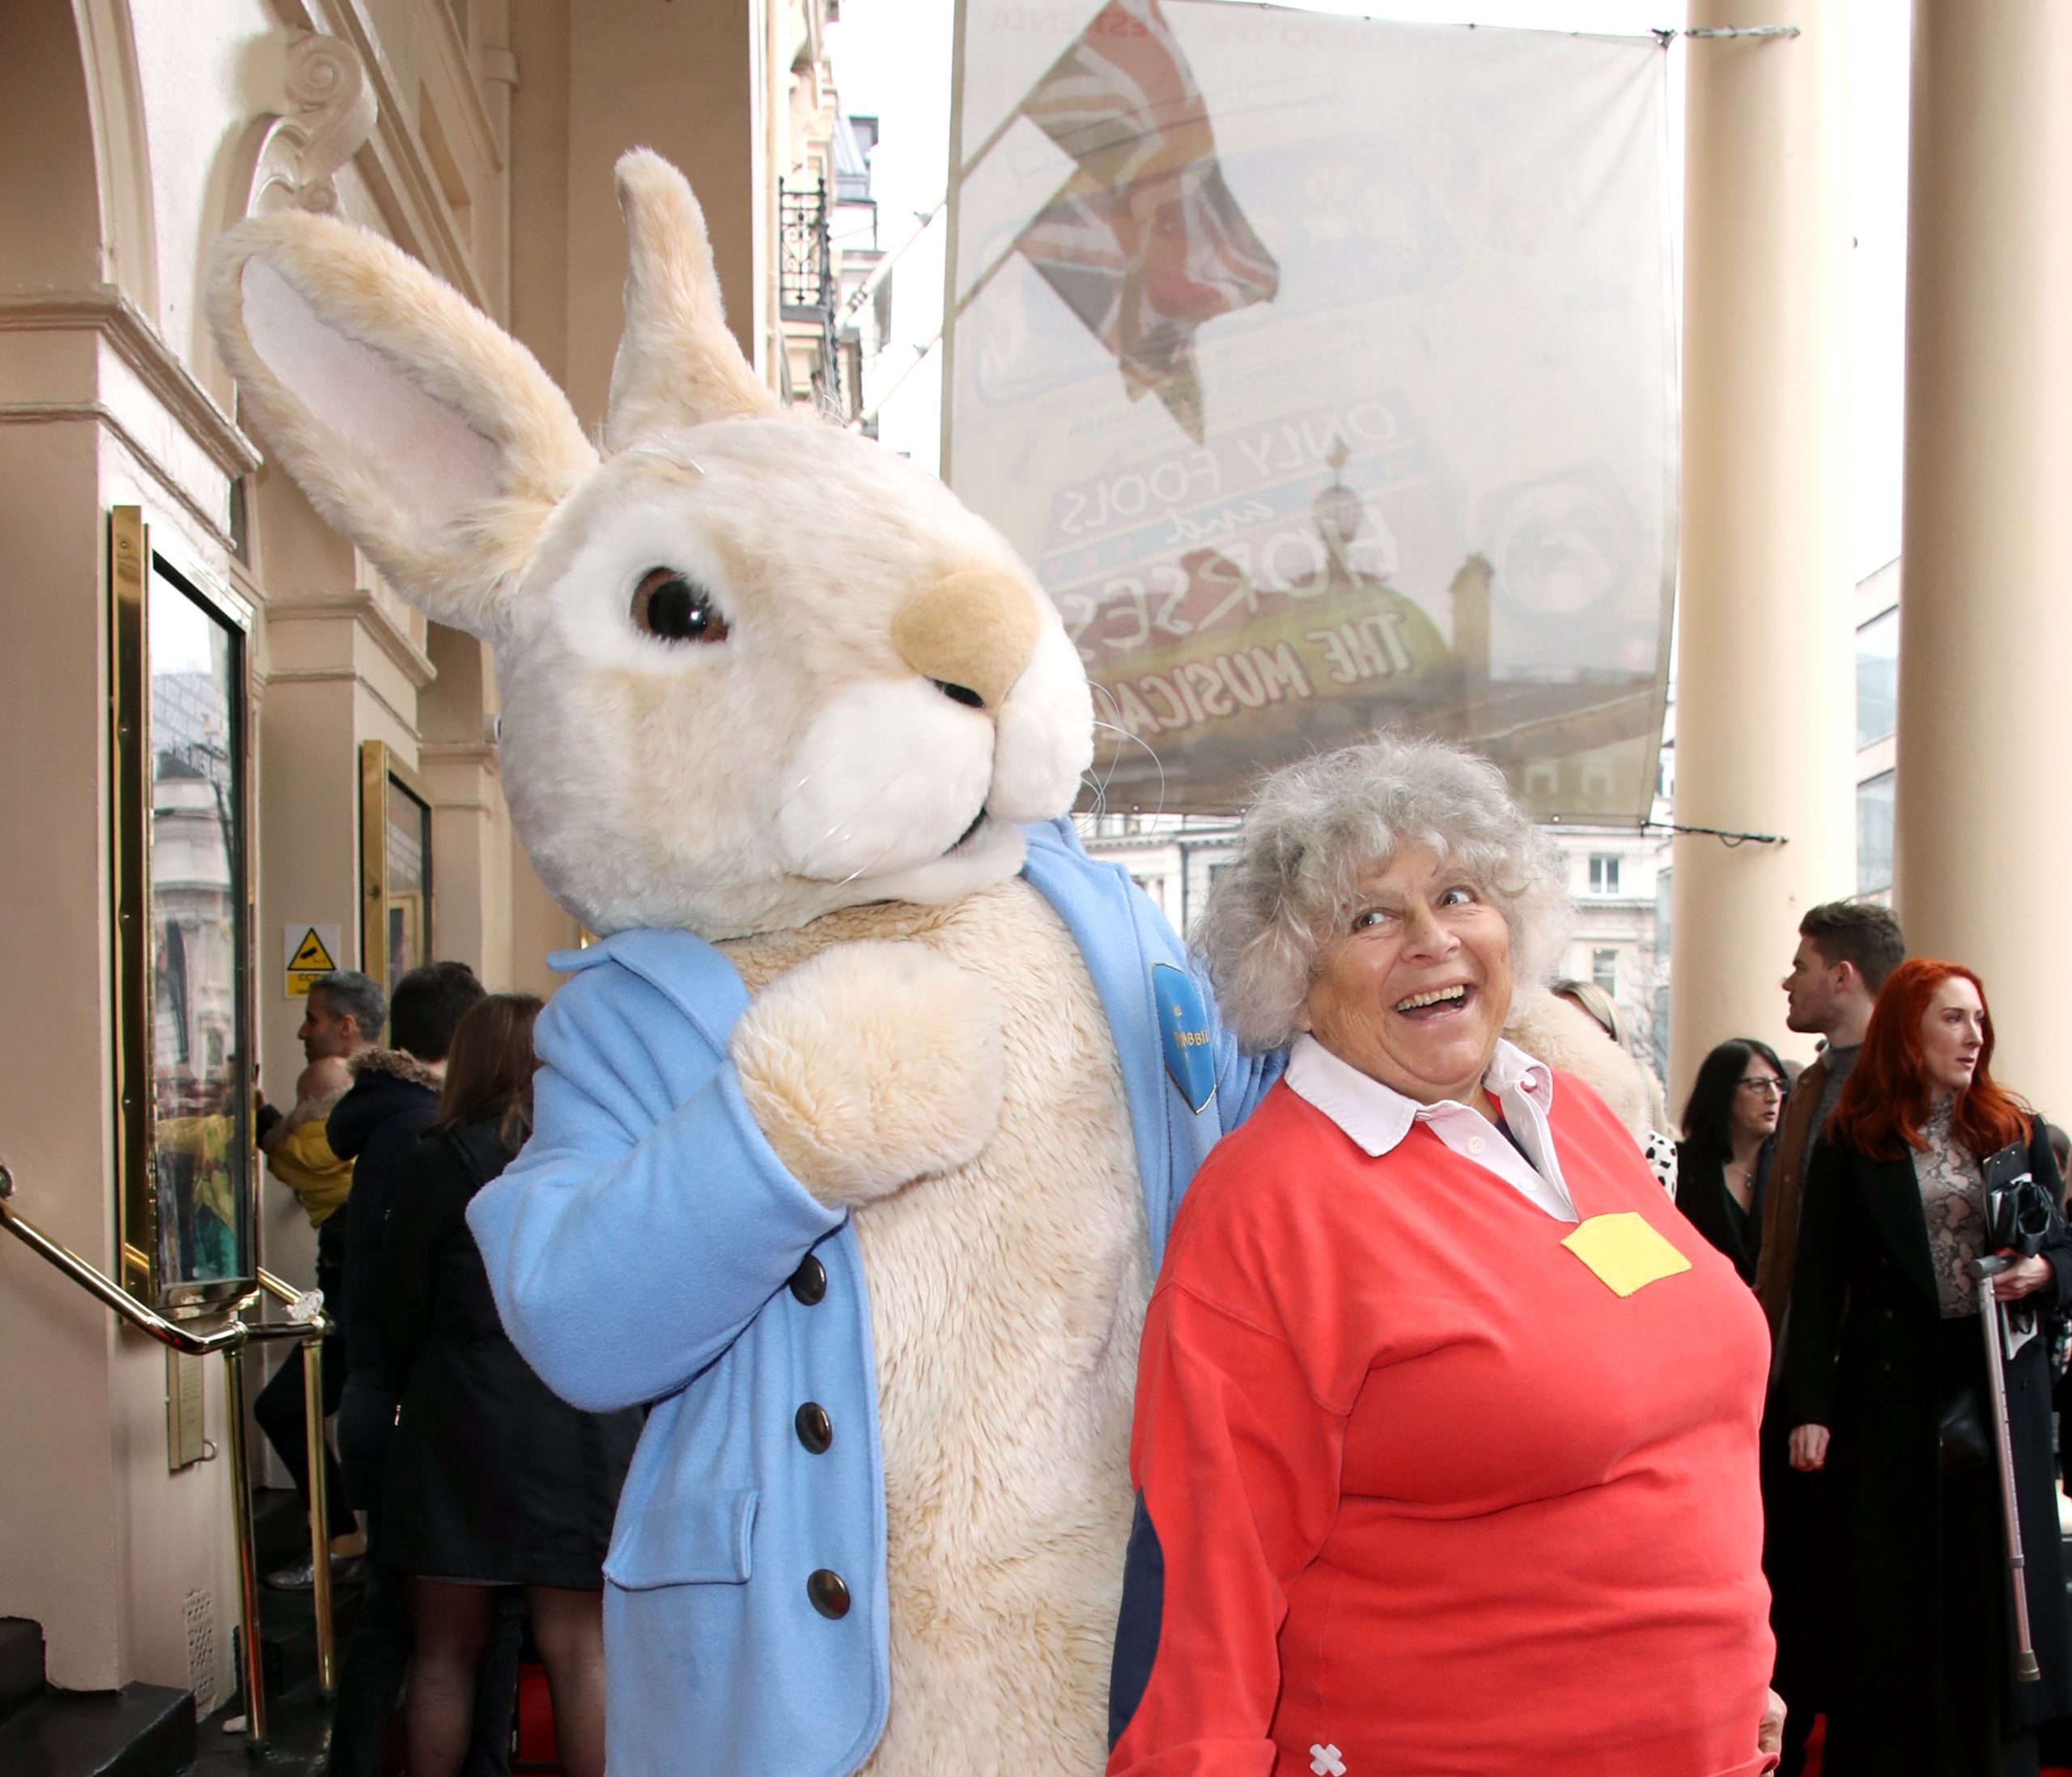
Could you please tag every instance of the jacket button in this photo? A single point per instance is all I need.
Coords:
(829, 1591)
(816, 1430)
(809, 1283)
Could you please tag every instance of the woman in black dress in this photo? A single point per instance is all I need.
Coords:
(493, 1480)
(1885, 1383)
(1730, 1131)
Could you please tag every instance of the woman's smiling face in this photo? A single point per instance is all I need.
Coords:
(1414, 988)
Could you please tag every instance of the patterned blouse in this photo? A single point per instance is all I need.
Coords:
(1953, 1199)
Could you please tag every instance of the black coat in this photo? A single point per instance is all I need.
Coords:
(393, 1100)
(491, 1475)
(1702, 1195)
(1861, 1355)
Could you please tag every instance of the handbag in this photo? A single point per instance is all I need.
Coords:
(1962, 1441)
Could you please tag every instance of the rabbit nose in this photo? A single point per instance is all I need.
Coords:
(972, 633)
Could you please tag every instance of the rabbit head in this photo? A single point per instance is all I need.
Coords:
(754, 667)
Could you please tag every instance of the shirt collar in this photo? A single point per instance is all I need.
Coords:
(1376, 1116)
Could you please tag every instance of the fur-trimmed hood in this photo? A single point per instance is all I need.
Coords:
(386, 1083)
(399, 1061)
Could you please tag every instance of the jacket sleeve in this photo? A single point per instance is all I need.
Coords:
(648, 1220)
(1820, 1288)
(1237, 1466)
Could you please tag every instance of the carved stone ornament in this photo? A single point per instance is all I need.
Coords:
(334, 114)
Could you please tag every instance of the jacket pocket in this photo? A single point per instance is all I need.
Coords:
(682, 1543)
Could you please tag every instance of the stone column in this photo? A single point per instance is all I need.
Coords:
(1764, 698)
(1985, 622)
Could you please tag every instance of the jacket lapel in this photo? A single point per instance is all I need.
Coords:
(1892, 1195)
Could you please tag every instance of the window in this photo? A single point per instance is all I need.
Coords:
(1873, 834)
(395, 866)
(1603, 875)
(1604, 970)
(182, 983)
(1878, 678)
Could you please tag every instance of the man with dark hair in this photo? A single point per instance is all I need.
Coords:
(341, 1017)
(1846, 948)
(394, 1100)
(428, 1003)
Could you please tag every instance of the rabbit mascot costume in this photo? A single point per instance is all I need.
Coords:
(858, 1136)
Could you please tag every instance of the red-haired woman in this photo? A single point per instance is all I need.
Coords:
(1884, 1350)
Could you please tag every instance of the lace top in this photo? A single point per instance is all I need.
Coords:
(1953, 1199)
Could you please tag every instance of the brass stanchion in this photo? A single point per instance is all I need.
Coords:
(320, 1512)
(247, 1549)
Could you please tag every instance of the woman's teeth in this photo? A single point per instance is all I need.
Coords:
(1438, 996)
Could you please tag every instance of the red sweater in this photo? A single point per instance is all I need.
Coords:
(1420, 1494)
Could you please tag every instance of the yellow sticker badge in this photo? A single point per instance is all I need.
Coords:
(1625, 1252)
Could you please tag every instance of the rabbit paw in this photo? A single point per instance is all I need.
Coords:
(872, 1064)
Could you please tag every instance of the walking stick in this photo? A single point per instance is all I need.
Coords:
(1985, 1270)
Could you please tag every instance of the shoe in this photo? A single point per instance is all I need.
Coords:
(346, 1571)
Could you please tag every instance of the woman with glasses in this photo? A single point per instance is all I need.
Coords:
(1729, 1132)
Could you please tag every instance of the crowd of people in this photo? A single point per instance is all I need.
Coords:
(1857, 1201)
(1409, 1397)
(487, 1500)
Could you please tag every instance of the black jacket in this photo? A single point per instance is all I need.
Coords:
(393, 1100)
(1864, 1345)
(491, 1477)
(1702, 1195)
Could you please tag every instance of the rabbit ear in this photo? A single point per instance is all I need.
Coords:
(415, 426)
(677, 365)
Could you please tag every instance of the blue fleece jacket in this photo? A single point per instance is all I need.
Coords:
(648, 1247)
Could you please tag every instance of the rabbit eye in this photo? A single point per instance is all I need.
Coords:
(673, 608)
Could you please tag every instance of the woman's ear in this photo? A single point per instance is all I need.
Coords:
(415, 425)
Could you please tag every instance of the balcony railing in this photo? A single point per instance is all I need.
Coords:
(806, 280)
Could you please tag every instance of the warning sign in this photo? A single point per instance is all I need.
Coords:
(307, 953)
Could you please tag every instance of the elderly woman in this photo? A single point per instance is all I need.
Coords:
(1445, 1438)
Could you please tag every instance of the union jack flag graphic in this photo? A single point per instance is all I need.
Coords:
(1146, 242)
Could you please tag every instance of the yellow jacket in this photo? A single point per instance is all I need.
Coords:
(302, 1159)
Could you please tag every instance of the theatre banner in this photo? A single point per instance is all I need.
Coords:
(1324, 368)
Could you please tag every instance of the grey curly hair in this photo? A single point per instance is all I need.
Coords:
(1316, 827)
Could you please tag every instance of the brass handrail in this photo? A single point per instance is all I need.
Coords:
(229, 1336)
(230, 1339)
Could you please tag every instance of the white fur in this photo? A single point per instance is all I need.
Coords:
(906, 797)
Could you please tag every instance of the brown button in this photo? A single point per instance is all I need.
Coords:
(816, 1430)
(809, 1283)
(829, 1591)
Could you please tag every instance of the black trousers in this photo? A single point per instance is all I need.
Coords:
(1797, 1545)
(279, 1406)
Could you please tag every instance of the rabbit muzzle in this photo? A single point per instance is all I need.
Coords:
(894, 777)
(972, 632)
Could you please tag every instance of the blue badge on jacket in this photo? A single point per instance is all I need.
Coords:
(1183, 1024)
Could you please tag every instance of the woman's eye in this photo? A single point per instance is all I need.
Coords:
(672, 607)
(1457, 898)
(1367, 918)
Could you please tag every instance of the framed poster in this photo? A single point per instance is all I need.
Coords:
(181, 811)
(395, 837)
